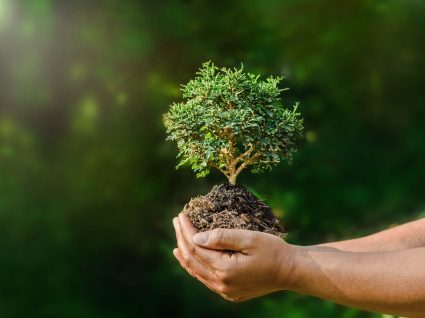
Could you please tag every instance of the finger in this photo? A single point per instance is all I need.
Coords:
(188, 226)
(226, 239)
(188, 259)
(207, 283)
(205, 256)
(182, 262)
(178, 256)
(188, 230)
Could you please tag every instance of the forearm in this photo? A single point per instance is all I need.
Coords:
(388, 282)
(409, 235)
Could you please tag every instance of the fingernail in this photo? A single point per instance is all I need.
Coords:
(200, 238)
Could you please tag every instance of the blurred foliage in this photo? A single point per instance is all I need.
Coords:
(88, 186)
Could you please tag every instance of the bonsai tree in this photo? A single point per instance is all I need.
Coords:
(231, 120)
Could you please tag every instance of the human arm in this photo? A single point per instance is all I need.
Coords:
(405, 236)
(390, 282)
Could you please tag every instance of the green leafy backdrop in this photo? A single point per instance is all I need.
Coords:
(87, 183)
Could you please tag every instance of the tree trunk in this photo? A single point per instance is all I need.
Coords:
(232, 179)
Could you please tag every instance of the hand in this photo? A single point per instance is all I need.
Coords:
(260, 263)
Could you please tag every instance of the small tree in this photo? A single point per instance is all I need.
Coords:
(231, 120)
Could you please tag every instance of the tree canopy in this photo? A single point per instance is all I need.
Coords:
(231, 120)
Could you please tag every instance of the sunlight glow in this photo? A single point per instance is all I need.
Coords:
(4, 12)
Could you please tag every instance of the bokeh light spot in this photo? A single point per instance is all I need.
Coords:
(86, 115)
(89, 108)
(311, 136)
(121, 98)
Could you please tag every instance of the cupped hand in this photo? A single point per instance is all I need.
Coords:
(259, 263)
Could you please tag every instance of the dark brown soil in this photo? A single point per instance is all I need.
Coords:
(232, 207)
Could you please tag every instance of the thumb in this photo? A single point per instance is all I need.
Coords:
(225, 239)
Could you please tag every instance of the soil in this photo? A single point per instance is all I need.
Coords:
(232, 207)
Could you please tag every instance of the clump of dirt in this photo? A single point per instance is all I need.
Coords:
(232, 207)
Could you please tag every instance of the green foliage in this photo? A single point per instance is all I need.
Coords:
(230, 120)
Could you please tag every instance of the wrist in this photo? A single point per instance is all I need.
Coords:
(302, 271)
(299, 268)
(287, 266)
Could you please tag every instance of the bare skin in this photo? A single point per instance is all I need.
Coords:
(384, 272)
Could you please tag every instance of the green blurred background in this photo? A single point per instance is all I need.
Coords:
(87, 183)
